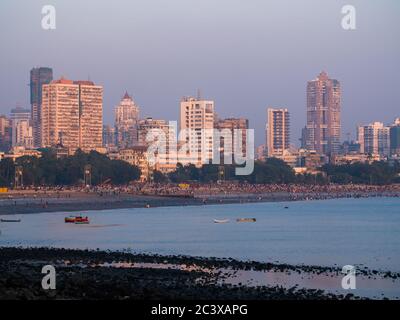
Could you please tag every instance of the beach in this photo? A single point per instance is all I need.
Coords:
(153, 195)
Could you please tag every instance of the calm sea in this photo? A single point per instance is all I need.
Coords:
(331, 232)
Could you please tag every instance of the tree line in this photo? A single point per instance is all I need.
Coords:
(48, 170)
(276, 171)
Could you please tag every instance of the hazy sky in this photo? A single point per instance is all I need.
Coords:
(244, 54)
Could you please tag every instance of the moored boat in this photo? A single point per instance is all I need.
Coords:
(246, 220)
(221, 221)
(77, 220)
(10, 220)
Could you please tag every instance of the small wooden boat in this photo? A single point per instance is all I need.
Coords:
(10, 220)
(221, 221)
(246, 220)
(77, 220)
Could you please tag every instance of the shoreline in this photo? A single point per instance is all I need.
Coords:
(89, 274)
(25, 203)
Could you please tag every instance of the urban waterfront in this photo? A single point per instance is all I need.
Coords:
(194, 151)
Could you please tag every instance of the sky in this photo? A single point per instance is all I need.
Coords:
(246, 55)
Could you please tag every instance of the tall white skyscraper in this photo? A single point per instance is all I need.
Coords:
(197, 129)
(277, 131)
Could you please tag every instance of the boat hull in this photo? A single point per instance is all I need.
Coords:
(246, 220)
(10, 220)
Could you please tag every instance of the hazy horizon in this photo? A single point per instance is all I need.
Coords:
(245, 56)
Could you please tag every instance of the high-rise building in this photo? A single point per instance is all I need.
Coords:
(303, 138)
(197, 129)
(38, 77)
(277, 132)
(72, 115)
(60, 114)
(395, 138)
(90, 115)
(5, 133)
(323, 115)
(126, 118)
(22, 135)
(374, 139)
(108, 136)
(237, 144)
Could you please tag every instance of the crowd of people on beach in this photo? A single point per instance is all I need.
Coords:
(212, 189)
(206, 190)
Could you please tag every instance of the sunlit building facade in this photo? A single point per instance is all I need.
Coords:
(277, 131)
(374, 139)
(196, 129)
(323, 115)
(72, 115)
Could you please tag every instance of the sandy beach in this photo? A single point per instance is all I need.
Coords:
(29, 201)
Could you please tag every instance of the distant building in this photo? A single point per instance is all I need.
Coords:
(323, 115)
(350, 147)
(109, 138)
(163, 133)
(145, 126)
(290, 157)
(395, 138)
(374, 139)
(22, 131)
(310, 159)
(278, 131)
(90, 115)
(5, 133)
(303, 138)
(261, 152)
(22, 134)
(237, 128)
(60, 114)
(135, 156)
(126, 118)
(18, 152)
(72, 115)
(355, 158)
(19, 113)
(38, 77)
(197, 129)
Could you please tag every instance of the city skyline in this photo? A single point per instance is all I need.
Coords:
(293, 140)
(244, 66)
